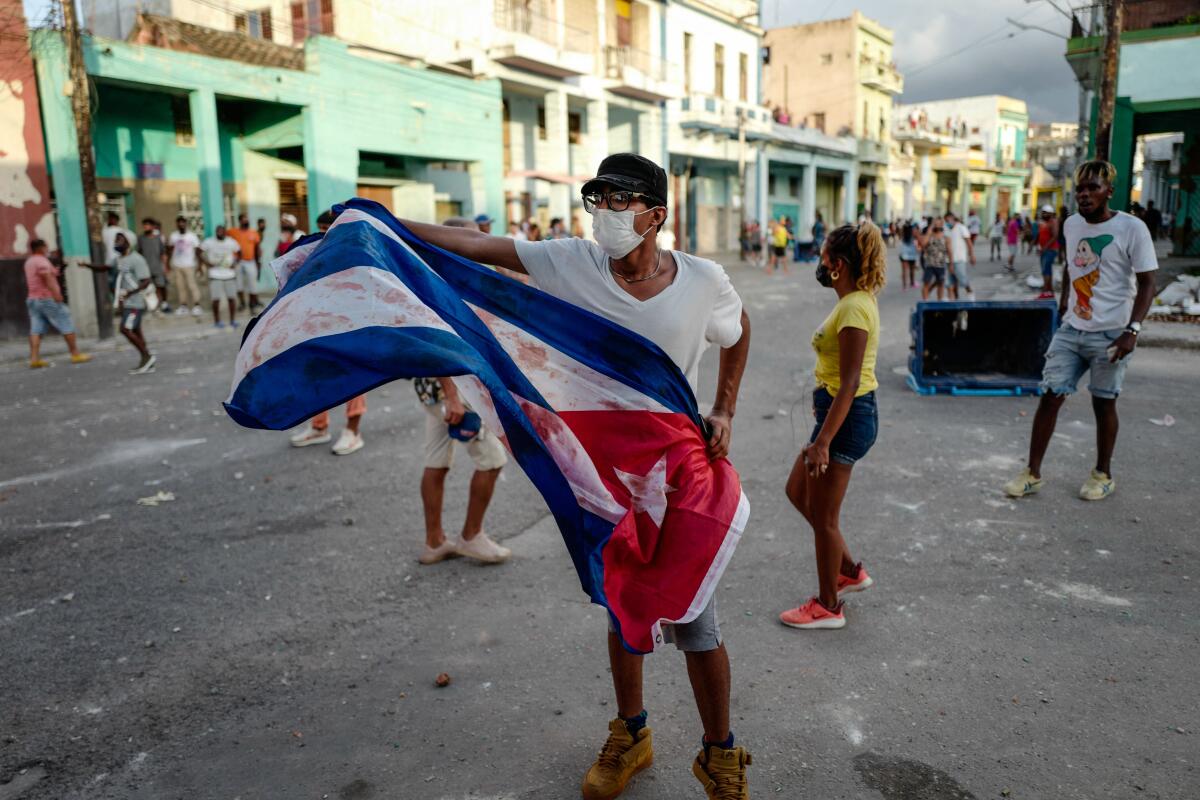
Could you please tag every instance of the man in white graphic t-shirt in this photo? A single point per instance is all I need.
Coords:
(1107, 288)
(683, 304)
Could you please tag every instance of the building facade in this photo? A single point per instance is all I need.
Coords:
(969, 153)
(185, 128)
(838, 77)
(1158, 92)
(1051, 149)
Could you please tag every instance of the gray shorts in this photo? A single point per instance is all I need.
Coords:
(698, 636)
(247, 277)
(222, 288)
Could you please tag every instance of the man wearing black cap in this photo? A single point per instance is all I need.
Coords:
(683, 304)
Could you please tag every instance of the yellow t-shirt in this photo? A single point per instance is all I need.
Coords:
(780, 237)
(855, 310)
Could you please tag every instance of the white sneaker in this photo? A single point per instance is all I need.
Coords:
(196, 311)
(146, 367)
(349, 442)
(432, 555)
(310, 435)
(482, 548)
(181, 311)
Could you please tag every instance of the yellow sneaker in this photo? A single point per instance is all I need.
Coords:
(41, 363)
(1098, 486)
(723, 772)
(620, 759)
(1023, 484)
(80, 358)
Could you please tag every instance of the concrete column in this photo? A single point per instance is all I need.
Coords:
(927, 184)
(964, 193)
(762, 203)
(331, 161)
(908, 199)
(883, 209)
(990, 212)
(850, 194)
(808, 202)
(558, 151)
(203, 106)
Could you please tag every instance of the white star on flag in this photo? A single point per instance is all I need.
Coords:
(649, 491)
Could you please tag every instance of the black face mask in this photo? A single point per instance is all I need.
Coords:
(823, 276)
(121, 248)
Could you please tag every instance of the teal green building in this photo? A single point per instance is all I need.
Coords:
(209, 124)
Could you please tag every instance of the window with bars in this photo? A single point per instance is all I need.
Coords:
(743, 77)
(311, 18)
(719, 70)
(256, 24)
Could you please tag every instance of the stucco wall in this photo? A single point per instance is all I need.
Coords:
(1164, 69)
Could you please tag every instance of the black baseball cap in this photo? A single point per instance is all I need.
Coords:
(633, 172)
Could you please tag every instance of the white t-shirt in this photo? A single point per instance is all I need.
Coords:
(698, 308)
(997, 230)
(973, 225)
(959, 238)
(219, 254)
(183, 248)
(1103, 260)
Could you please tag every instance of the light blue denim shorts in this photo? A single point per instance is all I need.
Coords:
(46, 313)
(1073, 352)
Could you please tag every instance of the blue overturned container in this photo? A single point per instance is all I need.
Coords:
(988, 348)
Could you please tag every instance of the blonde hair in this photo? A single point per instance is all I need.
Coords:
(861, 248)
(1098, 169)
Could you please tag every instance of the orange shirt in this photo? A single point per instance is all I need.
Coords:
(247, 240)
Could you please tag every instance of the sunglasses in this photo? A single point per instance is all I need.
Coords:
(614, 201)
(938, 230)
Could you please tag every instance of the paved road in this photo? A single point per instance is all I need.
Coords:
(268, 633)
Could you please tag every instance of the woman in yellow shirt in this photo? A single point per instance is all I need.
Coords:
(854, 264)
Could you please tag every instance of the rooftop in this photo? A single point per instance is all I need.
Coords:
(172, 34)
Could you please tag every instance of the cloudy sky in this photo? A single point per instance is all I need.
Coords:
(957, 48)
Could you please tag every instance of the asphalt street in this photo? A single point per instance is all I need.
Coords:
(268, 633)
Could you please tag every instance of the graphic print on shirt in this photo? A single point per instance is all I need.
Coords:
(1087, 254)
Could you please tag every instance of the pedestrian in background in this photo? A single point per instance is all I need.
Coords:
(182, 249)
(935, 250)
(779, 242)
(908, 258)
(484, 222)
(818, 233)
(151, 245)
(218, 252)
(853, 264)
(249, 263)
(1012, 233)
(133, 276)
(974, 226)
(962, 254)
(995, 238)
(288, 233)
(44, 302)
(1047, 242)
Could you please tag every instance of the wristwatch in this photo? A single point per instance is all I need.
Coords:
(1134, 327)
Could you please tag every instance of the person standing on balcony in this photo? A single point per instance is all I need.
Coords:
(683, 304)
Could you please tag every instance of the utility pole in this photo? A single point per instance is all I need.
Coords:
(81, 111)
(1113, 19)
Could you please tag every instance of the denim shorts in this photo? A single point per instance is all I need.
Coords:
(46, 312)
(858, 431)
(934, 276)
(961, 276)
(1073, 352)
(1048, 259)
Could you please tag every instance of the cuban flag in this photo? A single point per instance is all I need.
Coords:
(601, 420)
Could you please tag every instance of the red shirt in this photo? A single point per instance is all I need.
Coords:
(41, 278)
(1047, 236)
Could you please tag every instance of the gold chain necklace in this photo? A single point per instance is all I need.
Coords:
(657, 269)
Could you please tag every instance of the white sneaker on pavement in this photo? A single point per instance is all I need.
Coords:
(182, 311)
(349, 442)
(196, 311)
(432, 555)
(310, 435)
(482, 548)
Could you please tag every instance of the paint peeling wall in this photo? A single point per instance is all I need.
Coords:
(25, 211)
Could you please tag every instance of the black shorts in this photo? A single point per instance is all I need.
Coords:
(779, 251)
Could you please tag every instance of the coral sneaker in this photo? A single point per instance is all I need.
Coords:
(860, 581)
(813, 615)
(1024, 484)
(723, 772)
(620, 759)
(1098, 486)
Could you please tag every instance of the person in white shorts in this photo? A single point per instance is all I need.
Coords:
(444, 409)
(218, 253)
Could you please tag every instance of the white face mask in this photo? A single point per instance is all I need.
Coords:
(614, 231)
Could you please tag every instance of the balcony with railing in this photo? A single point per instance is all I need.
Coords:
(872, 152)
(529, 36)
(641, 75)
(708, 114)
(880, 75)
